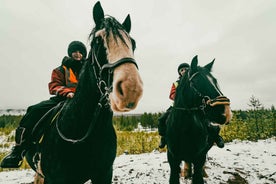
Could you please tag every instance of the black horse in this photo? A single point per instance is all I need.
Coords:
(198, 101)
(80, 144)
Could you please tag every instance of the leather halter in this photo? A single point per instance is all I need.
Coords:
(105, 87)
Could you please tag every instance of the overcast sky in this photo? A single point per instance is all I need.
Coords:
(240, 34)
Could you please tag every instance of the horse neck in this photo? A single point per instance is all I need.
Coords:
(185, 97)
(189, 102)
(80, 109)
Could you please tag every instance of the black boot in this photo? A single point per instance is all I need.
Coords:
(14, 159)
(219, 141)
(163, 142)
(214, 131)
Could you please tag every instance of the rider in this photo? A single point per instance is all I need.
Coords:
(63, 84)
(162, 127)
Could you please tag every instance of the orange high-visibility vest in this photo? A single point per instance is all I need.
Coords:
(176, 84)
(70, 77)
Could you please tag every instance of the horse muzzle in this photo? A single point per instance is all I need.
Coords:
(127, 88)
(221, 101)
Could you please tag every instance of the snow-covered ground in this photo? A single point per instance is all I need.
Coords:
(237, 163)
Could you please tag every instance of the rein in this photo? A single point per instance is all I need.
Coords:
(101, 104)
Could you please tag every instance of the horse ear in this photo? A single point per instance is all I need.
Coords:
(210, 65)
(98, 14)
(194, 64)
(127, 23)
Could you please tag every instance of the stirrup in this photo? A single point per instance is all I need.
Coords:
(220, 142)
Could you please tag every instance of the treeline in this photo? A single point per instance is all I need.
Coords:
(9, 123)
(130, 122)
(256, 123)
(245, 125)
(252, 124)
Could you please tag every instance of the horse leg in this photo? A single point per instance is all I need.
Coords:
(104, 177)
(205, 175)
(175, 169)
(38, 179)
(187, 170)
(198, 175)
(198, 171)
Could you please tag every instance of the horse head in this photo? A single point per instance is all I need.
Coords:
(205, 93)
(112, 56)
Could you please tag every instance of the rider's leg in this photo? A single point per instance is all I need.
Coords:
(162, 130)
(23, 133)
(162, 127)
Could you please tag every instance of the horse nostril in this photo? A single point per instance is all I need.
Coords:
(120, 89)
(130, 105)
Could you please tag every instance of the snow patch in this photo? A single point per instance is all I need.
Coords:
(239, 161)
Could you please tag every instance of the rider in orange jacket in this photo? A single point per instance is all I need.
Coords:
(63, 85)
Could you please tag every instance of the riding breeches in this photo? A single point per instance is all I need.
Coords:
(162, 122)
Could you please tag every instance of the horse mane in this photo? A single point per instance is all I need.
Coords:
(86, 74)
(183, 86)
(111, 25)
(86, 96)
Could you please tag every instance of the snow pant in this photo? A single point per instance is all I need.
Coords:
(162, 122)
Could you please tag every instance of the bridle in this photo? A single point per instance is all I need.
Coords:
(104, 87)
(205, 100)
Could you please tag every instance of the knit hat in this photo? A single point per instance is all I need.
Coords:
(76, 46)
(182, 65)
